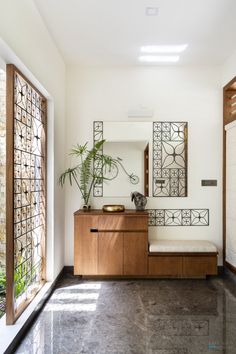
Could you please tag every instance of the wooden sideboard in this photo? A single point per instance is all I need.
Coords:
(114, 244)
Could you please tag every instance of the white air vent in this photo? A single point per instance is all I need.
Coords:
(152, 11)
(140, 112)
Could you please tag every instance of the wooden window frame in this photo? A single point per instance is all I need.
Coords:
(13, 314)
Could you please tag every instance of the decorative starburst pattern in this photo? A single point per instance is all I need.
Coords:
(169, 159)
(29, 183)
(98, 136)
(178, 217)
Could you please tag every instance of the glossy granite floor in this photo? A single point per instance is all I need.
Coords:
(141, 316)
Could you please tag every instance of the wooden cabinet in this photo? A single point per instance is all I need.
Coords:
(135, 253)
(85, 245)
(116, 244)
(110, 253)
(111, 244)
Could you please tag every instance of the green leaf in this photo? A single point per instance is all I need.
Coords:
(79, 150)
(84, 174)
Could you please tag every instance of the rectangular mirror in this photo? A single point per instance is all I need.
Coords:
(152, 158)
(130, 173)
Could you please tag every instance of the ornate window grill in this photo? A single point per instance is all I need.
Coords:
(2, 191)
(26, 221)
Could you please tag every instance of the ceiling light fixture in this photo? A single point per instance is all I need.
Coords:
(152, 11)
(159, 58)
(163, 48)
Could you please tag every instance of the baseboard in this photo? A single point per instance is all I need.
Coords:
(230, 272)
(68, 270)
(27, 325)
(221, 270)
(230, 267)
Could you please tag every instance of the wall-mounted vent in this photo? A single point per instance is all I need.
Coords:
(152, 11)
(140, 112)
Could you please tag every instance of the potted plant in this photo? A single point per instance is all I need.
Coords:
(84, 175)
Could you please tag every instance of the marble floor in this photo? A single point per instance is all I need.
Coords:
(138, 316)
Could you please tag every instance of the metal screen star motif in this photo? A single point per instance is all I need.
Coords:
(169, 159)
(29, 184)
(178, 217)
(97, 166)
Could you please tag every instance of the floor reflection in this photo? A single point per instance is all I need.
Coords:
(75, 298)
(143, 316)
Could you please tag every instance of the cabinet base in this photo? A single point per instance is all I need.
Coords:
(184, 265)
(140, 277)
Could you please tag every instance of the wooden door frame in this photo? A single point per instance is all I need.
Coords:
(228, 91)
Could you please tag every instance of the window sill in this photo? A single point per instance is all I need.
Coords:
(12, 334)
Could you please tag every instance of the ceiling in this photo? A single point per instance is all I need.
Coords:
(111, 32)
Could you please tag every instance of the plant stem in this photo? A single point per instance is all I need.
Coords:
(84, 194)
(90, 188)
(79, 188)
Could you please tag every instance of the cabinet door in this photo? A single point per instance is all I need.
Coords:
(86, 245)
(135, 253)
(165, 265)
(200, 265)
(110, 253)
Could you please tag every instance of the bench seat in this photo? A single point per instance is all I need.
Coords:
(182, 246)
(182, 258)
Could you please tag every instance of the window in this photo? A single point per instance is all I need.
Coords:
(2, 191)
(26, 192)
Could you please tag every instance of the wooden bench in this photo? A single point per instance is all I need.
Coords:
(182, 258)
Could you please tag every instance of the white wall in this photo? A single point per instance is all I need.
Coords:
(24, 33)
(190, 94)
(228, 69)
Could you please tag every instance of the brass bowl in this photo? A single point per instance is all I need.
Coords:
(113, 208)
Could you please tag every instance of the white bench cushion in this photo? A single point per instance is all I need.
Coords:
(181, 246)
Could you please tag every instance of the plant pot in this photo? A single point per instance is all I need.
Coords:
(86, 207)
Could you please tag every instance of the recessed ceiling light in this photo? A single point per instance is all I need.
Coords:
(163, 48)
(152, 11)
(159, 58)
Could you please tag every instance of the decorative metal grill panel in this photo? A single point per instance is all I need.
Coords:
(97, 167)
(169, 159)
(2, 190)
(29, 187)
(178, 217)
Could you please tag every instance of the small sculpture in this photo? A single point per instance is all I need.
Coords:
(139, 199)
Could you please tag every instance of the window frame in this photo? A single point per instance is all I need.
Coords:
(12, 313)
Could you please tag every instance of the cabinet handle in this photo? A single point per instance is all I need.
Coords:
(93, 230)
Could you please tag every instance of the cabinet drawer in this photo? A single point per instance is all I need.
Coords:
(121, 223)
(200, 265)
(134, 223)
(165, 265)
(111, 223)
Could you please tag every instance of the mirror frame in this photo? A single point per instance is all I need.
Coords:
(167, 181)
